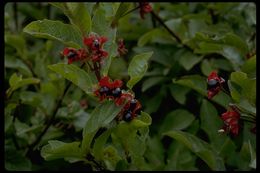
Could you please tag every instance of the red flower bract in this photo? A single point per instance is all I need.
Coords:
(145, 7)
(74, 54)
(231, 122)
(94, 42)
(214, 84)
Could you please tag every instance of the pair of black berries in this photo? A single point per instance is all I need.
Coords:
(106, 91)
(128, 114)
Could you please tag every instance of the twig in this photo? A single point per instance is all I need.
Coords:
(170, 31)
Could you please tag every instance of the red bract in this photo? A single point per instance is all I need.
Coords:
(214, 83)
(107, 82)
(145, 7)
(121, 47)
(94, 42)
(98, 55)
(73, 54)
(109, 89)
(231, 122)
(124, 97)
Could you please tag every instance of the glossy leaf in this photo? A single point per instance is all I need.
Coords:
(122, 9)
(177, 120)
(78, 15)
(188, 59)
(137, 68)
(200, 148)
(18, 82)
(179, 92)
(154, 36)
(18, 42)
(74, 74)
(15, 63)
(102, 115)
(250, 67)
(56, 30)
(211, 123)
(57, 149)
(152, 81)
(98, 148)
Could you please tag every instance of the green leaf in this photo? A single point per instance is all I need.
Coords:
(102, 115)
(17, 82)
(57, 149)
(98, 148)
(15, 63)
(18, 42)
(111, 157)
(155, 35)
(77, 14)
(188, 59)
(180, 158)
(200, 148)
(250, 67)
(230, 46)
(74, 74)
(242, 88)
(179, 92)
(122, 9)
(142, 121)
(56, 30)
(155, 153)
(177, 120)
(110, 46)
(206, 67)
(137, 68)
(152, 81)
(211, 123)
(195, 82)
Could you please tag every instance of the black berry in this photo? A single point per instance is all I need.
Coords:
(104, 90)
(72, 54)
(127, 117)
(116, 92)
(96, 43)
(132, 104)
(212, 83)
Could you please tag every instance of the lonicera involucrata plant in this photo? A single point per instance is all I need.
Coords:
(72, 101)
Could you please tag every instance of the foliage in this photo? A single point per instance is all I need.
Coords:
(55, 121)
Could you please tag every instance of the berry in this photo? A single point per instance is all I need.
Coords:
(103, 90)
(128, 117)
(96, 43)
(212, 83)
(116, 92)
(132, 104)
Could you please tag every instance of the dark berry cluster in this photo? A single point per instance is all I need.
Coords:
(112, 90)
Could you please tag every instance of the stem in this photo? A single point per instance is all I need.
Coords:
(97, 70)
(130, 11)
(170, 31)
